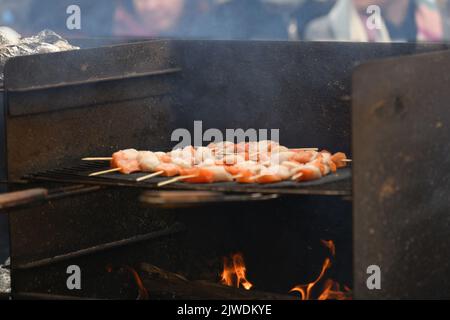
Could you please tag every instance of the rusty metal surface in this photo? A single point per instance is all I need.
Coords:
(401, 126)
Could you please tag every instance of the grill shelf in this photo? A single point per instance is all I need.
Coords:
(338, 183)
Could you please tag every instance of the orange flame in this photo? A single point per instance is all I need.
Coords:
(331, 289)
(330, 245)
(234, 275)
(305, 289)
(234, 272)
(142, 291)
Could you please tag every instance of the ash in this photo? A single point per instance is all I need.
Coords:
(5, 278)
(13, 45)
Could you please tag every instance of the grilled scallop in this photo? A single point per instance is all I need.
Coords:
(148, 161)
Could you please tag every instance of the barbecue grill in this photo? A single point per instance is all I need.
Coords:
(92, 102)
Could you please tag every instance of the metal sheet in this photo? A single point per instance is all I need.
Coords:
(401, 125)
(301, 88)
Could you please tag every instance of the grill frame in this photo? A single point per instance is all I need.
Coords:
(210, 72)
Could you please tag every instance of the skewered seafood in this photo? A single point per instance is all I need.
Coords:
(254, 162)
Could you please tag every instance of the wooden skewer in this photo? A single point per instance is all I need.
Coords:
(297, 176)
(305, 149)
(104, 172)
(347, 160)
(149, 176)
(238, 176)
(97, 159)
(176, 179)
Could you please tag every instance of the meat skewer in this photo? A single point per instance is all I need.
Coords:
(104, 172)
(207, 174)
(176, 179)
(238, 173)
(273, 174)
(124, 161)
(340, 159)
(308, 172)
(159, 169)
(169, 169)
(149, 176)
(321, 166)
(253, 162)
(197, 175)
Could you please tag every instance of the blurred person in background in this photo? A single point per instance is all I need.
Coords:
(264, 19)
(401, 20)
(444, 6)
(133, 18)
(159, 18)
(96, 17)
(213, 19)
(14, 13)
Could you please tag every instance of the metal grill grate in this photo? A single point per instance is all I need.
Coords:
(333, 184)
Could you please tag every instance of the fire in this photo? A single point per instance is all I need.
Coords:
(234, 275)
(305, 289)
(234, 272)
(331, 289)
(330, 245)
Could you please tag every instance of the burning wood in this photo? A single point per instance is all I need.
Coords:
(162, 284)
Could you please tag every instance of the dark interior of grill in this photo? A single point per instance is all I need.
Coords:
(121, 233)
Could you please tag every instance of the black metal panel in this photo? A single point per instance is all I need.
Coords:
(97, 64)
(90, 93)
(301, 88)
(67, 225)
(401, 125)
(78, 102)
(278, 234)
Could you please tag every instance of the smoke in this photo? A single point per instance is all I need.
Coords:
(201, 19)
